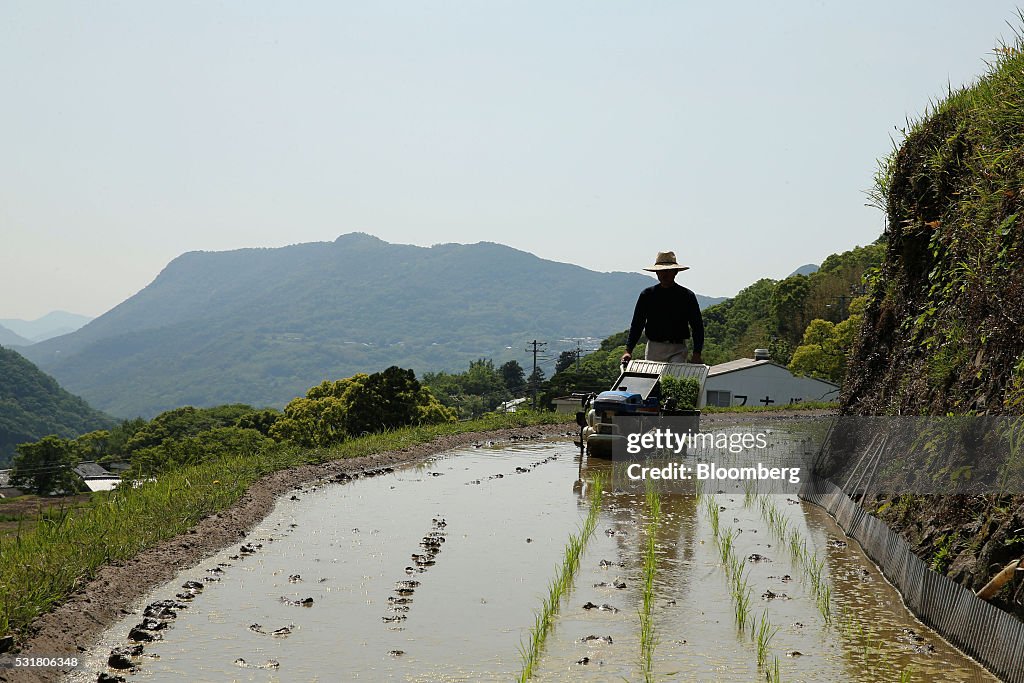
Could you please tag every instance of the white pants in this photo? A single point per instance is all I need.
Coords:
(665, 352)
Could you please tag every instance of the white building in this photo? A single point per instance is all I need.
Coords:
(760, 382)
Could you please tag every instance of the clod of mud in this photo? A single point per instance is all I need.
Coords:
(104, 677)
(794, 653)
(308, 602)
(397, 653)
(193, 586)
(163, 609)
(836, 543)
(295, 578)
(121, 658)
(408, 584)
(283, 631)
(152, 625)
(601, 608)
(756, 557)
(399, 601)
(404, 591)
(584, 661)
(918, 644)
(391, 620)
(596, 639)
(271, 664)
(139, 635)
(771, 595)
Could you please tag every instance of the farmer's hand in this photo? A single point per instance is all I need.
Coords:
(695, 358)
(625, 358)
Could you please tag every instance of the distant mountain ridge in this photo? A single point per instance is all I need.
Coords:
(9, 337)
(33, 405)
(53, 324)
(261, 326)
(805, 269)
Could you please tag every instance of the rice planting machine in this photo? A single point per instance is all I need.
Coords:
(635, 394)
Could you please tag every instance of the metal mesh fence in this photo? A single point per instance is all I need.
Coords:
(993, 637)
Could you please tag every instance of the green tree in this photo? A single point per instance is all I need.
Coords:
(514, 377)
(336, 410)
(566, 360)
(826, 346)
(787, 306)
(44, 467)
(197, 448)
(187, 421)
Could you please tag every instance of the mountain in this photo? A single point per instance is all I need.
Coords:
(806, 269)
(33, 405)
(51, 325)
(261, 326)
(9, 338)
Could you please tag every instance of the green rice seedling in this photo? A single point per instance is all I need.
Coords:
(725, 546)
(647, 639)
(773, 675)
(562, 583)
(762, 635)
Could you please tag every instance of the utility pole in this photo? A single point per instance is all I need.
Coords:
(579, 341)
(538, 348)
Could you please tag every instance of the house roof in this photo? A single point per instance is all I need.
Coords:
(90, 470)
(738, 364)
(747, 363)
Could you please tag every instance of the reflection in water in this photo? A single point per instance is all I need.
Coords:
(351, 548)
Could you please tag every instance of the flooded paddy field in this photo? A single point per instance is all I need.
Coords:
(435, 572)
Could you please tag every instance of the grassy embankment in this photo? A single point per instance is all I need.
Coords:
(42, 566)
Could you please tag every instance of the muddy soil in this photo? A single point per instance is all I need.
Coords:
(73, 625)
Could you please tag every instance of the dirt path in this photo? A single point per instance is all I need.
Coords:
(71, 627)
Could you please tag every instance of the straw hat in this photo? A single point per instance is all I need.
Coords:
(666, 261)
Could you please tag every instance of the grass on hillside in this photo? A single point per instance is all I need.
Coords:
(41, 567)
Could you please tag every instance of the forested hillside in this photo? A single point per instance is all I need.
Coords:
(33, 405)
(259, 326)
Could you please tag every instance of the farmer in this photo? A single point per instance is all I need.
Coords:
(667, 312)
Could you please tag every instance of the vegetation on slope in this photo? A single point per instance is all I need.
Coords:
(943, 317)
(33, 405)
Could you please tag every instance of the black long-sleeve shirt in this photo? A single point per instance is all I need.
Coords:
(667, 314)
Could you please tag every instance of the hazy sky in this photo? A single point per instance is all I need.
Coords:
(589, 132)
